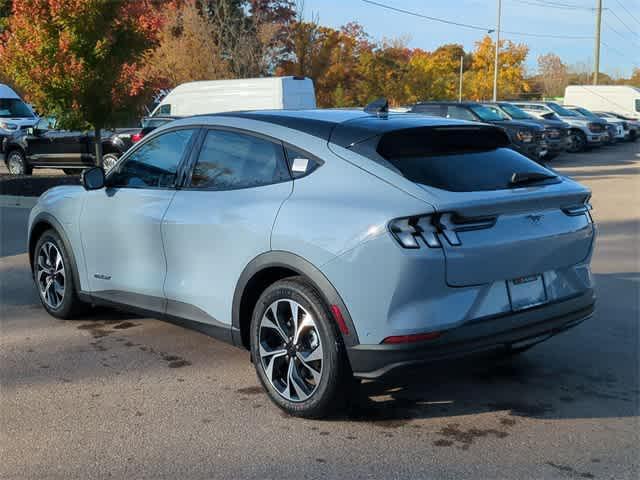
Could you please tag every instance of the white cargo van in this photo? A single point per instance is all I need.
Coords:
(215, 96)
(621, 99)
(14, 113)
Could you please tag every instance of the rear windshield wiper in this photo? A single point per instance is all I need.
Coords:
(523, 178)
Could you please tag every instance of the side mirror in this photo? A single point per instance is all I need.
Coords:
(92, 178)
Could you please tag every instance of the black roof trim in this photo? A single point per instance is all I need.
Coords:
(342, 127)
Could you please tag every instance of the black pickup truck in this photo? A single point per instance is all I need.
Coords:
(71, 151)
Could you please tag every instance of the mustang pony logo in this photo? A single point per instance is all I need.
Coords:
(535, 219)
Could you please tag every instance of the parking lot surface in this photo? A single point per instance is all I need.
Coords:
(117, 396)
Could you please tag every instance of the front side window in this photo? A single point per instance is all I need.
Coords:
(154, 164)
(231, 160)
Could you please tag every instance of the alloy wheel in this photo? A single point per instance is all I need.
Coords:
(15, 164)
(108, 162)
(50, 275)
(290, 350)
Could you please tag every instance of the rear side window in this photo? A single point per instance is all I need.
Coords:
(458, 160)
(426, 109)
(232, 160)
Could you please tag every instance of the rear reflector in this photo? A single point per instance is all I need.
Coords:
(337, 314)
(417, 337)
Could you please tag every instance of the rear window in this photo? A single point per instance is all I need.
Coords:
(458, 160)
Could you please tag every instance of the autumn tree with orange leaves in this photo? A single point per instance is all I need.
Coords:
(78, 59)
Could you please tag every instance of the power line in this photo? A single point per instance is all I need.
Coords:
(435, 19)
(615, 50)
(622, 22)
(475, 27)
(562, 6)
(626, 10)
(621, 35)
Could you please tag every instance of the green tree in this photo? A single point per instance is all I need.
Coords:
(78, 59)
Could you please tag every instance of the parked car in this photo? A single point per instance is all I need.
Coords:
(148, 125)
(526, 137)
(215, 96)
(14, 113)
(331, 244)
(556, 132)
(583, 133)
(620, 99)
(44, 147)
(615, 127)
(632, 126)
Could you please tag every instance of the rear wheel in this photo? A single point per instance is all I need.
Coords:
(17, 163)
(53, 274)
(577, 141)
(297, 351)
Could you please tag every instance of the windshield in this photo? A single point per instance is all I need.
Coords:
(515, 112)
(497, 111)
(14, 107)
(587, 113)
(486, 114)
(563, 112)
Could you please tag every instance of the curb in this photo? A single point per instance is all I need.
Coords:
(17, 201)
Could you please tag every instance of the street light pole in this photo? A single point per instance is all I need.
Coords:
(596, 67)
(460, 87)
(495, 66)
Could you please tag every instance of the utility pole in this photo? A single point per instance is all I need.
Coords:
(596, 67)
(460, 87)
(495, 66)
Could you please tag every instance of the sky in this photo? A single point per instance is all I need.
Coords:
(621, 36)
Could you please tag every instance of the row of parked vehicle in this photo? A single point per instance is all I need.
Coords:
(538, 130)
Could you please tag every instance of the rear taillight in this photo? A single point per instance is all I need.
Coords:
(416, 337)
(136, 137)
(411, 232)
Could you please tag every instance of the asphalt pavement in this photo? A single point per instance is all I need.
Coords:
(117, 396)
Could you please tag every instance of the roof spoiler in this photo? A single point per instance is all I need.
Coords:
(379, 107)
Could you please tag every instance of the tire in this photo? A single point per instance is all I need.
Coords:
(60, 302)
(108, 161)
(71, 171)
(17, 164)
(311, 389)
(578, 142)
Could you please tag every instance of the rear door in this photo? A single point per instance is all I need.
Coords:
(220, 221)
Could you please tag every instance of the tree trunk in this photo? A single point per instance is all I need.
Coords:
(98, 142)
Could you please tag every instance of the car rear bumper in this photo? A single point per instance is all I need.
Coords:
(502, 332)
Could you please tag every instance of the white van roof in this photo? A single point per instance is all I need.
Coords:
(217, 96)
(7, 92)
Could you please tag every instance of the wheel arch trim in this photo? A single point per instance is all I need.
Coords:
(297, 264)
(47, 218)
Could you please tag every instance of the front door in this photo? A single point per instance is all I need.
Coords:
(120, 224)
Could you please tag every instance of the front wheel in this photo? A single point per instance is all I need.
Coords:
(297, 351)
(17, 163)
(577, 141)
(53, 274)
